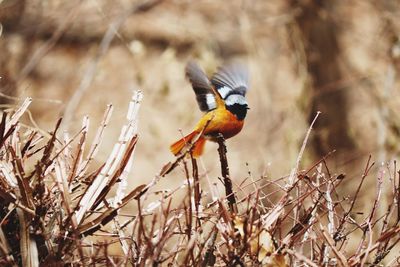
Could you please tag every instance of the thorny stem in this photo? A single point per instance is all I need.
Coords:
(189, 214)
(368, 167)
(225, 174)
(209, 257)
(197, 192)
(398, 196)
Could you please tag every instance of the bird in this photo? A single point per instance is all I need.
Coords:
(223, 101)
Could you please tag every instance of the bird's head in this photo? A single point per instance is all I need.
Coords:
(237, 105)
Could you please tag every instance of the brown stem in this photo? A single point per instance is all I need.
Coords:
(197, 191)
(209, 257)
(225, 174)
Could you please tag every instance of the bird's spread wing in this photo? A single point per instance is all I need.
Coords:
(230, 80)
(202, 87)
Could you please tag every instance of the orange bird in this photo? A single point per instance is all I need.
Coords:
(222, 99)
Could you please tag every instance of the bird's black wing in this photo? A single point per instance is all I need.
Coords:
(202, 87)
(231, 79)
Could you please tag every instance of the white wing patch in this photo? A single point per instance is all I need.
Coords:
(224, 91)
(210, 100)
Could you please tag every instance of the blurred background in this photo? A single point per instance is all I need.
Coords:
(338, 57)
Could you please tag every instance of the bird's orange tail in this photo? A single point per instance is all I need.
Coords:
(199, 147)
(197, 150)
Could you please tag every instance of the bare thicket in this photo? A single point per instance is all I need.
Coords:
(60, 207)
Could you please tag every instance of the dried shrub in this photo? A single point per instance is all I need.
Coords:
(61, 208)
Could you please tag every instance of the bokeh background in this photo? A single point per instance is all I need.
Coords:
(338, 57)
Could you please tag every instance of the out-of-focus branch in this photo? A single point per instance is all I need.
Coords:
(88, 76)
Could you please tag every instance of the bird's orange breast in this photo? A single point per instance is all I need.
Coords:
(221, 121)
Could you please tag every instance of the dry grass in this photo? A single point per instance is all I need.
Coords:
(59, 207)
